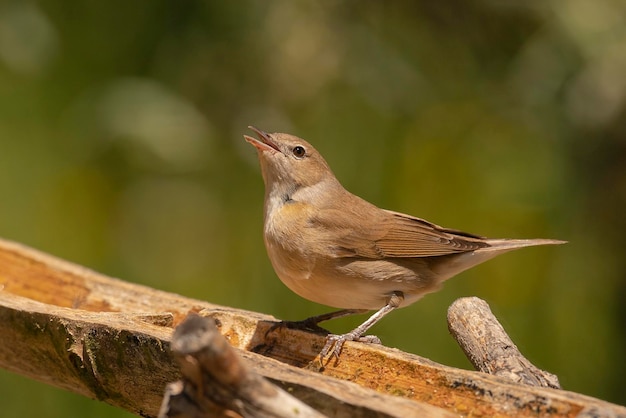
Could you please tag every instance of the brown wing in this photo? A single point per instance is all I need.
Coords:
(393, 234)
(408, 236)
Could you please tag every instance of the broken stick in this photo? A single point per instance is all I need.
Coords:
(216, 382)
(488, 347)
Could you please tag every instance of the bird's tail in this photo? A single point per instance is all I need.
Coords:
(502, 245)
(457, 263)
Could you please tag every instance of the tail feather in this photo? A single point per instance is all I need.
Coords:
(501, 245)
(457, 263)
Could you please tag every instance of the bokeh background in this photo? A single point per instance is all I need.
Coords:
(121, 149)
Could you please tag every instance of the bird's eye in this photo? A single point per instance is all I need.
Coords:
(298, 151)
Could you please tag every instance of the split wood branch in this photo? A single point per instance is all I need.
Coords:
(110, 340)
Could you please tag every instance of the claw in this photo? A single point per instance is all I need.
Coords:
(334, 343)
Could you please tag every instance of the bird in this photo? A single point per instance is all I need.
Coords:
(332, 247)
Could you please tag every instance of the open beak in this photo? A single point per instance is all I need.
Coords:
(264, 143)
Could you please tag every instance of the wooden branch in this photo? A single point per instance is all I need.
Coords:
(110, 340)
(489, 348)
(216, 382)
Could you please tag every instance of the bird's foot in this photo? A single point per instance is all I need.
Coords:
(334, 343)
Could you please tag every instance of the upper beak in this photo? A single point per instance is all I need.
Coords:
(264, 143)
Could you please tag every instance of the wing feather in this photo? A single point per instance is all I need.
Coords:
(393, 235)
(408, 236)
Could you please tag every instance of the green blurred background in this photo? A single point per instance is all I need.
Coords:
(121, 149)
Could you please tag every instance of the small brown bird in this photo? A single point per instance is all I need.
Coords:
(334, 248)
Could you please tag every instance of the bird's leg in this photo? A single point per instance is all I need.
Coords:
(311, 324)
(334, 343)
